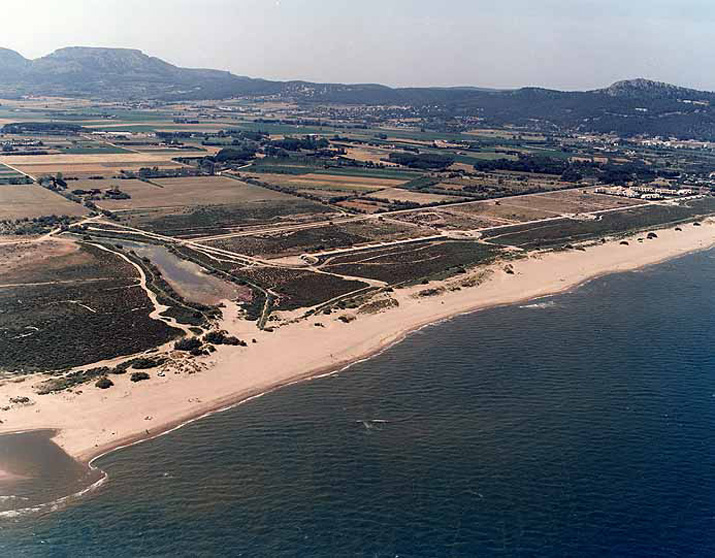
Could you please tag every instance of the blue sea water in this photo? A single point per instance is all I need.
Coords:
(575, 426)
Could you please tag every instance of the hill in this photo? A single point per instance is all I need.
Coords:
(116, 73)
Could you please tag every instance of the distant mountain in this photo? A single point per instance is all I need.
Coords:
(116, 73)
(636, 106)
(627, 108)
(11, 61)
(645, 88)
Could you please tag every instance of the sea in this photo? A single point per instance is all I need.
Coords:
(578, 425)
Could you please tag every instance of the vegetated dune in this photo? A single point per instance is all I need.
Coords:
(301, 350)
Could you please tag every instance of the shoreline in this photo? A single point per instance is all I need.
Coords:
(91, 423)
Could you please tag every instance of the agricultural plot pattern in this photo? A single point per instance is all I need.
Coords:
(107, 212)
(29, 201)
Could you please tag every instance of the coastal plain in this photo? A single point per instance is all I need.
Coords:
(158, 264)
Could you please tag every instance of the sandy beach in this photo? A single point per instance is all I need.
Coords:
(90, 422)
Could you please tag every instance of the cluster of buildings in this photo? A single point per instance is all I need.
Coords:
(645, 192)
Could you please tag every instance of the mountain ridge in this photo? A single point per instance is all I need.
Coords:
(625, 107)
(121, 60)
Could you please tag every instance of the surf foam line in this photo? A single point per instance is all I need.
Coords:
(59, 503)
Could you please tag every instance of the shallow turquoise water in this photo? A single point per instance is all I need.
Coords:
(579, 425)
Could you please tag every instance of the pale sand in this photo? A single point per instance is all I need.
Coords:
(95, 421)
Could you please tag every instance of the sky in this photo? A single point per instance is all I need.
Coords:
(563, 44)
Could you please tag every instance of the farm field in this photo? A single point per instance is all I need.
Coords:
(502, 183)
(274, 180)
(448, 218)
(31, 201)
(7, 171)
(393, 173)
(572, 201)
(206, 205)
(301, 167)
(335, 183)
(400, 195)
(11, 176)
(81, 165)
(511, 210)
(204, 220)
(364, 206)
(124, 184)
(504, 210)
(178, 192)
(369, 154)
(531, 207)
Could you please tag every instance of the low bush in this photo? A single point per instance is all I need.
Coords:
(222, 338)
(104, 383)
(143, 363)
(187, 344)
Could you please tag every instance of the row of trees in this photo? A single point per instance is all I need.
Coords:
(607, 173)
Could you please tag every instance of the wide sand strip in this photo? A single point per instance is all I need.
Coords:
(94, 421)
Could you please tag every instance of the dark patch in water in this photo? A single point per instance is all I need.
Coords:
(41, 472)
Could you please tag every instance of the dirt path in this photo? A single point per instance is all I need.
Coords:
(158, 307)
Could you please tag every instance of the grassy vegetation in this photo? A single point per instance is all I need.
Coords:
(299, 288)
(348, 176)
(11, 176)
(410, 264)
(74, 379)
(371, 173)
(93, 149)
(215, 219)
(279, 169)
(290, 243)
(99, 313)
(563, 231)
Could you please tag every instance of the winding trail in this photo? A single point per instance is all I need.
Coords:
(158, 307)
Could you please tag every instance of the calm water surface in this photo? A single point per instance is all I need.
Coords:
(187, 277)
(580, 425)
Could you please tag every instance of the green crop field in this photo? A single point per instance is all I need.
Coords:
(90, 149)
(10, 176)
(397, 174)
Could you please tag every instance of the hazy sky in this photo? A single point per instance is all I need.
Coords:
(569, 44)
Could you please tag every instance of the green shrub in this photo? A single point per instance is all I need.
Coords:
(104, 383)
(143, 363)
(222, 338)
(187, 344)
